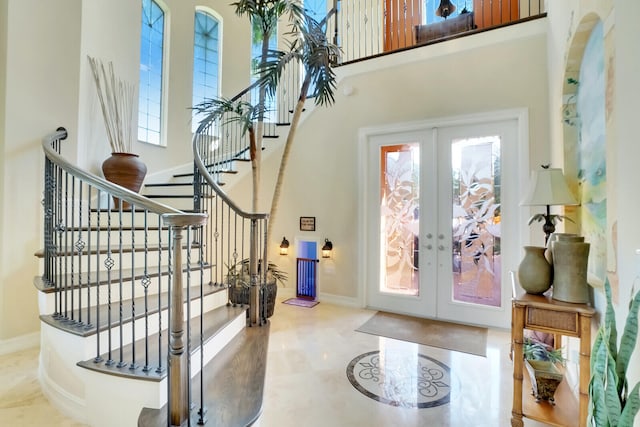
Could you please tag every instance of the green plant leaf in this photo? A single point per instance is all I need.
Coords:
(630, 408)
(610, 321)
(627, 344)
(599, 355)
(597, 406)
(611, 397)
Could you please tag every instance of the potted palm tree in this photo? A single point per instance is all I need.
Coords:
(308, 49)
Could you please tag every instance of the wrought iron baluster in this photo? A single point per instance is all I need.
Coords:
(65, 251)
(109, 263)
(133, 364)
(202, 410)
(121, 362)
(98, 357)
(72, 252)
(160, 368)
(88, 324)
(145, 284)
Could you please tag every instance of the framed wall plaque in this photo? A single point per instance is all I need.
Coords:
(307, 223)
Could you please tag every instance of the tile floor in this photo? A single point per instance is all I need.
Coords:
(310, 350)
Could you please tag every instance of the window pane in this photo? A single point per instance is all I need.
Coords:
(399, 218)
(151, 59)
(476, 220)
(206, 55)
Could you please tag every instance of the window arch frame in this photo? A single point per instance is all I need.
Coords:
(212, 14)
(144, 96)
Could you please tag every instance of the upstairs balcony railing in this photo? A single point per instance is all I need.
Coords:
(363, 29)
(369, 28)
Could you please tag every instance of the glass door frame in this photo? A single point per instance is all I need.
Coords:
(515, 170)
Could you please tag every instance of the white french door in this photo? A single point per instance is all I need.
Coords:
(436, 215)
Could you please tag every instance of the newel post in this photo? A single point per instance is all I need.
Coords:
(177, 363)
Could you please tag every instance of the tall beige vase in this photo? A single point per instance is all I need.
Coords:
(570, 260)
(534, 272)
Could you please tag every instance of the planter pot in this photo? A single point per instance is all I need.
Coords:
(239, 294)
(126, 170)
(534, 272)
(545, 378)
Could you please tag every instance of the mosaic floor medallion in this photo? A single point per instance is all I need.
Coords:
(401, 379)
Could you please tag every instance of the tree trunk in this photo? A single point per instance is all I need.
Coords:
(295, 120)
(255, 168)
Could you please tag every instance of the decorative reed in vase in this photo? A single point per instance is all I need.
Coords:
(117, 99)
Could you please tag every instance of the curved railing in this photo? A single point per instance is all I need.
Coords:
(234, 240)
(116, 272)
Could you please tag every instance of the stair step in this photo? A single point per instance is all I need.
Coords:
(80, 280)
(172, 196)
(157, 300)
(170, 184)
(234, 384)
(213, 321)
(139, 247)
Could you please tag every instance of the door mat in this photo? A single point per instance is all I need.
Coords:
(434, 333)
(300, 302)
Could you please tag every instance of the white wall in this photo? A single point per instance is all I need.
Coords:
(622, 64)
(626, 104)
(41, 94)
(3, 65)
(503, 70)
(108, 28)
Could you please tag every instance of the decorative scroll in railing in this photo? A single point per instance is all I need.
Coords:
(367, 28)
(118, 273)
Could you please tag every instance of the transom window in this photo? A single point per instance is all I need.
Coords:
(151, 65)
(206, 61)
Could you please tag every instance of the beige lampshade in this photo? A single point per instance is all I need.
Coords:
(548, 187)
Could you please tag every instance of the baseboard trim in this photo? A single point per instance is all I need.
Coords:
(22, 342)
(70, 405)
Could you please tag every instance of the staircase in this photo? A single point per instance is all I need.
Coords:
(134, 305)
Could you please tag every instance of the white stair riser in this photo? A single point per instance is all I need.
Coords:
(95, 262)
(103, 400)
(169, 189)
(47, 300)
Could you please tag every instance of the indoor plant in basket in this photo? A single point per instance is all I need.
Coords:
(239, 282)
(541, 362)
(117, 99)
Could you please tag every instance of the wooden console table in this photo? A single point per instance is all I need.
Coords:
(542, 313)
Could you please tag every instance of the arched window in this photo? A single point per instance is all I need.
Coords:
(206, 61)
(151, 66)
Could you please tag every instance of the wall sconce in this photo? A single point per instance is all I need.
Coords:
(284, 246)
(548, 187)
(327, 248)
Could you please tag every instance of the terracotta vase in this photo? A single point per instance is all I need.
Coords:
(534, 272)
(126, 170)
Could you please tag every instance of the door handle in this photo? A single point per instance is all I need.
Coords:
(429, 235)
(441, 247)
(429, 247)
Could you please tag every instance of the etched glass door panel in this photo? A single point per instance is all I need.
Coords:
(436, 210)
(399, 225)
(475, 172)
